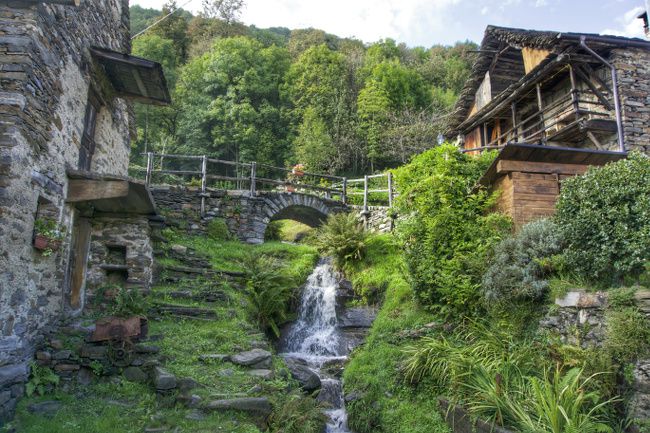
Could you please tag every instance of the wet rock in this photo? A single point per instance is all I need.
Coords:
(308, 380)
(256, 358)
(358, 317)
(353, 396)
(187, 384)
(135, 374)
(47, 408)
(163, 380)
(255, 405)
(62, 354)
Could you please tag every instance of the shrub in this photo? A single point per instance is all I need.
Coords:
(41, 380)
(268, 290)
(519, 267)
(343, 238)
(605, 219)
(273, 231)
(628, 335)
(297, 414)
(218, 230)
(446, 234)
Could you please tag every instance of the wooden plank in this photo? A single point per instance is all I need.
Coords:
(506, 166)
(87, 189)
(78, 259)
(533, 57)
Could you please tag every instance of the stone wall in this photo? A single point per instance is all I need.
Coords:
(378, 219)
(579, 319)
(633, 68)
(45, 75)
(247, 217)
(120, 247)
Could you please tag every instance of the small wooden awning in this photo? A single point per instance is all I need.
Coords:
(547, 159)
(109, 194)
(133, 77)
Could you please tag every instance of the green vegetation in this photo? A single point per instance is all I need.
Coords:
(520, 265)
(385, 402)
(297, 414)
(343, 238)
(218, 230)
(282, 96)
(447, 234)
(604, 220)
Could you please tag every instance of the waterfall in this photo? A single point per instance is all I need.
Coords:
(315, 338)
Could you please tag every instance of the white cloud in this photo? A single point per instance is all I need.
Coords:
(541, 3)
(628, 25)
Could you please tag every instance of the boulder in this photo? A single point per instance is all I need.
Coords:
(308, 380)
(254, 405)
(179, 249)
(163, 380)
(45, 408)
(357, 317)
(256, 358)
(135, 374)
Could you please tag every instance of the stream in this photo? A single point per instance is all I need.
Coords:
(317, 339)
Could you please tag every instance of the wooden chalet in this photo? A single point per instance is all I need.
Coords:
(552, 104)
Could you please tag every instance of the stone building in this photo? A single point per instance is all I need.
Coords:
(66, 82)
(552, 104)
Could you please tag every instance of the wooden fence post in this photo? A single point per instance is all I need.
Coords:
(147, 178)
(253, 175)
(204, 173)
(365, 193)
(390, 189)
(344, 197)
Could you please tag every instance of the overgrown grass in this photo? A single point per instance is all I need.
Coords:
(118, 406)
(386, 404)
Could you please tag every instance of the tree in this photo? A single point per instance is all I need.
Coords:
(230, 102)
(313, 145)
(227, 10)
(174, 28)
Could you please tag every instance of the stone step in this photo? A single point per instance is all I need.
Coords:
(185, 311)
(212, 296)
(254, 405)
(202, 271)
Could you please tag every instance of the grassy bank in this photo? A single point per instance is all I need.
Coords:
(384, 402)
(115, 405)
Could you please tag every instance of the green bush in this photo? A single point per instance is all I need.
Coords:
(273, 231)
(269, 291)
(297, 414)
(446, 234)
(628, 335)
(519, 267)
(343, 238)
(605, 219)
(218, 230)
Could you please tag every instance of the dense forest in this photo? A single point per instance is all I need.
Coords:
(283, 97)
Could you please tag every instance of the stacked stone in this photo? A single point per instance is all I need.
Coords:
(633, 69)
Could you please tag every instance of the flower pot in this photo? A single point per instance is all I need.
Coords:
(41, 242)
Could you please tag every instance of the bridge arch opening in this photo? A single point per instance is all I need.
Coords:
(293, 223)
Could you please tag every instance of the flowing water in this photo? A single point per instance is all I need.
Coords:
(316, 338)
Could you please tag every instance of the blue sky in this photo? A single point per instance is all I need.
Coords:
(427, 22)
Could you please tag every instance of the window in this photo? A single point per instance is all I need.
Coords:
(87, 148)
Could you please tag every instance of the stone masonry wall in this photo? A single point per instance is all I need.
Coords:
(579, 319)
(633, 68)
(116, 243)
(378, 219)
(45, 74)
(246, 216)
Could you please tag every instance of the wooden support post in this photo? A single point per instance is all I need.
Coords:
(365, 194)
(147, 179)
(204, 173)
(344, 197)
(540, 107)
(515, 131)
(390, 189)
(574, 92)
(253, 175)
(485, 136)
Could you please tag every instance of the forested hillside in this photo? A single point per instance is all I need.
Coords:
(285, 96)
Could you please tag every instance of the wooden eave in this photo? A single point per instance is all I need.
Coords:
(550, 159)
(133, 77)
(109, 194)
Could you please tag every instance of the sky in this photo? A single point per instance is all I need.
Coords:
(429, 22)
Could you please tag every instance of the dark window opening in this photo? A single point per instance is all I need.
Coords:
(117, 277)
(116, 254)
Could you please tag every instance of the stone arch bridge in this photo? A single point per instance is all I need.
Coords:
(247, 215)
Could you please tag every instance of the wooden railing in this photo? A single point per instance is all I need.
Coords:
(205, 172)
